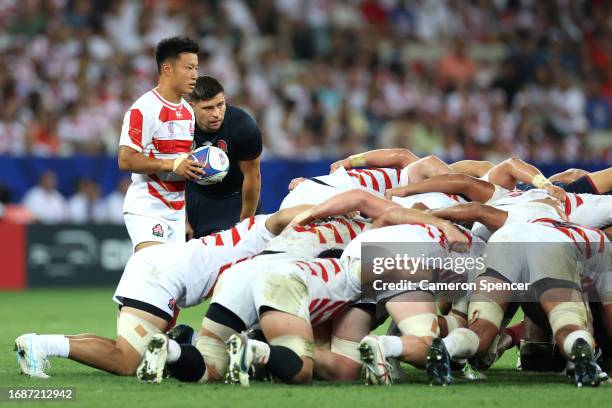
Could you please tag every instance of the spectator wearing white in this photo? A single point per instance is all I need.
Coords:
(87, 206)
(114, 202)
(44, 201)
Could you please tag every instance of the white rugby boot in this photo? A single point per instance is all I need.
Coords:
(151, 368)
(378, 370)
(241, 359)
(31, 358)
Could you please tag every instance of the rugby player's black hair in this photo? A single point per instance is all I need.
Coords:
(171, 48)
(331, 253)
(206, 88)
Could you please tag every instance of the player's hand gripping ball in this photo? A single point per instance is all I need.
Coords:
(215, 164)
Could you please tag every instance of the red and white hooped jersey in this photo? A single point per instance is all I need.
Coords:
(589, 241)
(376, 180)
(189, 271)
(331, 286)
(310, 240)
(157, 128)
(591, 210)
(409, 233)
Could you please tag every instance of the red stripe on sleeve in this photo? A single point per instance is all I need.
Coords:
(218, 240)
(336, 266)
(235, 236)
(251, 222)
(324, 275)
(135, 129)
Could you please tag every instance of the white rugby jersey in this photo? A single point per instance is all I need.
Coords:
(310, 240)
(430, 200)
(331, 286)
(189, 271)
(591, 210)
(160, 129)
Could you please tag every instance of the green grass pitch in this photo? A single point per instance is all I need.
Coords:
(92, 310)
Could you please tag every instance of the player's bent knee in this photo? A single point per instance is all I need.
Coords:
(214, 352)
(296, 366)
(136, 331)
(486, 309)
(567, 314)
(420, 325)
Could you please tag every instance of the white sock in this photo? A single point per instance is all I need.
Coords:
(194, 338)
(575, 335)
(174, 351)
(461, 343)
(55, 345)
(261, 351)
(392, 344)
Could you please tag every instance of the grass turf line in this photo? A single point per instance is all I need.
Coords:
(73, 311)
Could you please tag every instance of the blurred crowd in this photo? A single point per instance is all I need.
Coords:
(480, 79)
(43, 203)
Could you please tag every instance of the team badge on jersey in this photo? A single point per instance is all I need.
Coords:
(158, 230)
(222, 144)
(172, 304)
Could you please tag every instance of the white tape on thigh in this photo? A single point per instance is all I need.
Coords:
(567, 313)
(421, 325)
(346, 348)
(487, 310)
(221, 331)
(136, 330)
(215, 355)
(297, 344)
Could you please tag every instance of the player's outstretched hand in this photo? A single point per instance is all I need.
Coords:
(457, 240)
(556, 191)
(340, 163)
(294, 183)
(190, 169)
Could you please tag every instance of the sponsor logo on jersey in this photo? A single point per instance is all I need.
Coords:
(179, 113)
(191, 128)
(222, 144)
(158, 230)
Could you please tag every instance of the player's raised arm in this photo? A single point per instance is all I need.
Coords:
(472, 188)
(395, 158)
(512, 170)
(491, 217)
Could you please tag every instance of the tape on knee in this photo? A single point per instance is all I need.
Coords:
(567, 313)
(220, 330)
(487, 310)
(346, 348)
(421, 325)
(297, 344)
(136, 330)
(215, 355)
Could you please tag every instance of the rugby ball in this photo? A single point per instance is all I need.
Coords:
(215, 162)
